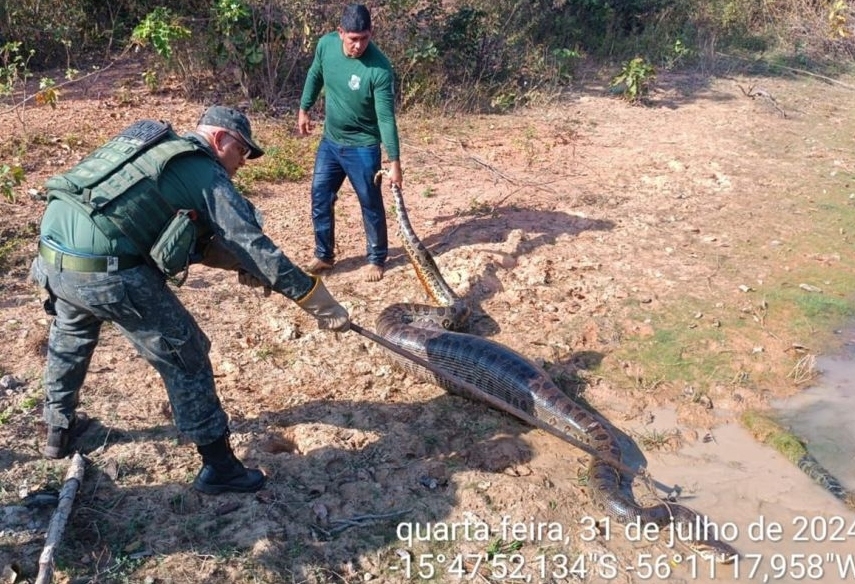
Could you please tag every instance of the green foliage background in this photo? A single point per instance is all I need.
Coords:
(464, 55)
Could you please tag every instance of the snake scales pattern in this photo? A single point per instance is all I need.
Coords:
(428, 332)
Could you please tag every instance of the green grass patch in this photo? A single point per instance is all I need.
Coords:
(823, 308)
(684, 346)
(807, 291)
(30, 403)
(813, 302)
(287, 158)
(277, 164)
(716, 347)
(771, 433)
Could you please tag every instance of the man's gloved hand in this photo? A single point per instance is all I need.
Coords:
(247, 279)
(320, 304)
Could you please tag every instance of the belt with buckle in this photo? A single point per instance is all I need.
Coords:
(66, 261)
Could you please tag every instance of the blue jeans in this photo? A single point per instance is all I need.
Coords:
(358, 164)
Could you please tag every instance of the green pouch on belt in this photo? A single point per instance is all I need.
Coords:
(173, 247)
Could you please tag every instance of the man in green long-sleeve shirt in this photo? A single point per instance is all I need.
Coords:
(360, 116)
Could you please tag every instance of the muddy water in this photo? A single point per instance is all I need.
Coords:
(777, 518)
(781, 522)
(824, 416)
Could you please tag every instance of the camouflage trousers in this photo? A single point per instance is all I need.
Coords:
(149, 314)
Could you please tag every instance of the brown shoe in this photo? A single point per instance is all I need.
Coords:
(318, 265)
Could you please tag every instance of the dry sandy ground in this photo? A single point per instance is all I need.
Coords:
(569, 227)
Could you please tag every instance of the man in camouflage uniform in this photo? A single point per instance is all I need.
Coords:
(98, 270)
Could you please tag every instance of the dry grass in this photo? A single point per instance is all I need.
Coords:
(634, 251)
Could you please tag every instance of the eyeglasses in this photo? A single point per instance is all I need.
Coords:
(245, 149)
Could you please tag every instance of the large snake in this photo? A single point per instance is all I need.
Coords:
(524, 390)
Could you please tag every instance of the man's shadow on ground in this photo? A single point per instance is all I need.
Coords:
(539, 228)
(343, 476)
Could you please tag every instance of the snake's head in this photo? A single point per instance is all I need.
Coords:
(715, 551)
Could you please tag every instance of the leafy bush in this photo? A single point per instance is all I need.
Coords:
(634, 80)
(463, 56)
(161, 29)
(267, 44)
(14, 67)
(10, 177)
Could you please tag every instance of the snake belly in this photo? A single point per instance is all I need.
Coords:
(429, 331)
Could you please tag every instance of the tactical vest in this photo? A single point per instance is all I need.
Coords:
(117, 184)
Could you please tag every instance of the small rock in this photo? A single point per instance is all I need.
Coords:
(227, 508)
(428, 482)
(10, 382)
(10, 573)
(321, 512)
(111, 468)
(521, 470)
(16, 515)
(45, 498)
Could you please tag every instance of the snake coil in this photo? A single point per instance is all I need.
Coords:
(430, 332)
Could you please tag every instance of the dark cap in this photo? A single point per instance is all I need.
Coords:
(231, 119)
(356, 18)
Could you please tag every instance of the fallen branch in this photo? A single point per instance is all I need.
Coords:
(816, 75)
(340, 525)
(73, 480)
(792, 69)
(491, 168)
(758, 92)
(27, 98)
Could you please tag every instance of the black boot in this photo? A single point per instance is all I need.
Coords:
(223, 472)
(58, 441)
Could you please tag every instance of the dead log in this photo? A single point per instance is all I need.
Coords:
(73, 480)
